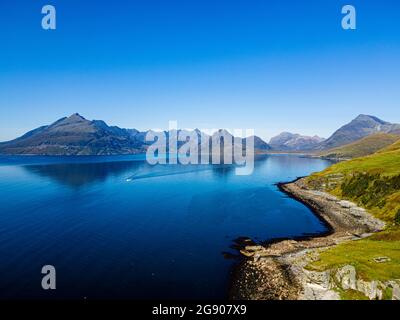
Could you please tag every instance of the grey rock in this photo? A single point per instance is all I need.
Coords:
(317, 292)
(346, 276)
(320, 278)
(370, 289)
(396, 292)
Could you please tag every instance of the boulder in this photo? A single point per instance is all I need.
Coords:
(370, 289)
(395, 286)
(320, 278)
(346, 276)
(316, 292)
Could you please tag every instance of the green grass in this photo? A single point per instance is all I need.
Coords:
(386, 163)
(395, 146)
(351, 295)
(363, 147)
(361, 253)
(357, 295)
(373, 182)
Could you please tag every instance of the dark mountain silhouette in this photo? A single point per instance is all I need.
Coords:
(76, 135)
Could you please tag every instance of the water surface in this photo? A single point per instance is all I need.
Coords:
(116, 227)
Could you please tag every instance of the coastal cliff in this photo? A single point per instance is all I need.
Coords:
(280, 270)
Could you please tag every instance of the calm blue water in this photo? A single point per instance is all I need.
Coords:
(115, 227)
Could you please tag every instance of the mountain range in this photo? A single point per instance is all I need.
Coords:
(360, 127)
(75, 135)
(287, 141)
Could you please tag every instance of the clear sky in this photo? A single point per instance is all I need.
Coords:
(269, 65)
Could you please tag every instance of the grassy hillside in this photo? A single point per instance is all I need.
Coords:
(393, 147)
(361, 254)
(363, 147)
(373, 182)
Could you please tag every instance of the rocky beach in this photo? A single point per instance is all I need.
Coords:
(278, 270)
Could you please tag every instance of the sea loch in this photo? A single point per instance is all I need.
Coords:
(167, 232)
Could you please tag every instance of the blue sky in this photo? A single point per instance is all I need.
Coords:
(267, 65)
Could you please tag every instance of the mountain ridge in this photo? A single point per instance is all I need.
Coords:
(75, 135)
(287, 141)
(360, 127)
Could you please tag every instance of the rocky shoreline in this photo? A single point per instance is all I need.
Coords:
(275, 271)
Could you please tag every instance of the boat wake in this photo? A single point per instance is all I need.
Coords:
(167, 172)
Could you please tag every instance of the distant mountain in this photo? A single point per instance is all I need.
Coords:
(360, 127)
(363, 147)
(75, 135)
(287, 141)
(260, 144)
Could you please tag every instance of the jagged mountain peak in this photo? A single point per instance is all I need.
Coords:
(75, 117)
(72, 119)
(369, 118)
